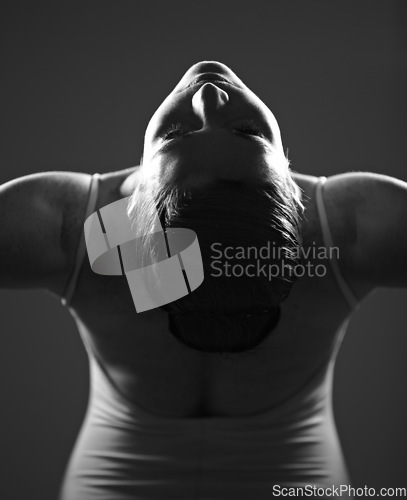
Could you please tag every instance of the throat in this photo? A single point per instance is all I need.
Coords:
(129, 184)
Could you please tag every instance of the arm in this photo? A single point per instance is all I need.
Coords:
(31, 221)
(374, 213)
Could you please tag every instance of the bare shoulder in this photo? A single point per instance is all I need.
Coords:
(33, 245)
(367, 200)
(65, 194)
(73, 189)
(352, 199)
(361, 188)
(356, 189)
(51, 186)
(367, 213)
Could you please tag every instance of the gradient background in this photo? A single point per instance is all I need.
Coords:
(80, 81)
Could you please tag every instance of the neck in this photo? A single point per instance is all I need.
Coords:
(129, 183)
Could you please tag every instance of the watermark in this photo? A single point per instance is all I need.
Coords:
(114, 247)
(271, 261)
(343, 490)
(176, 268)
(274, 252)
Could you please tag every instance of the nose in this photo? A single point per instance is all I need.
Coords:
(208, 101)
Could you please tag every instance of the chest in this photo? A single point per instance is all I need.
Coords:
(154, 370)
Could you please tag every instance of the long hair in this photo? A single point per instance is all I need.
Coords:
(228, 312)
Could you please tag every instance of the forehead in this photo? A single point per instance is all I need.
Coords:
(219, 155)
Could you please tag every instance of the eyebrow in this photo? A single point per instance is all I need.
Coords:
(167, 146)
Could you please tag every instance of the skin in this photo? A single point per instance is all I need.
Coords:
(210, 146)
(40, 212)
(213, 141)
(42, 220)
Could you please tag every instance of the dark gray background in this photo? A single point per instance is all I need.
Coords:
(80, 81)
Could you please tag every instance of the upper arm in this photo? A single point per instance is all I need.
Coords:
(376, 205)
(34, 252)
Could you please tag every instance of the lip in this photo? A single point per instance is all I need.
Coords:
(210, 67)
(209, 77)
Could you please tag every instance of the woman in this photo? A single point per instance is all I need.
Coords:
(226, 392)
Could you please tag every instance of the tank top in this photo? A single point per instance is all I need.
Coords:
(124, 452)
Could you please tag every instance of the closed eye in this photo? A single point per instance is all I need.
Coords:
(177, 134)
(248, 127)
(244, 127)
(174, 130)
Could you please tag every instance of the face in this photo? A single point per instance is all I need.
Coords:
(212, 126)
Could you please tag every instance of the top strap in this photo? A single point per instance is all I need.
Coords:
(81, 249)
(328, 242)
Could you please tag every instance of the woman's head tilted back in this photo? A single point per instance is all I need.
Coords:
(213, 162)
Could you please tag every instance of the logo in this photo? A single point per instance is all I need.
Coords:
(114, 248)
